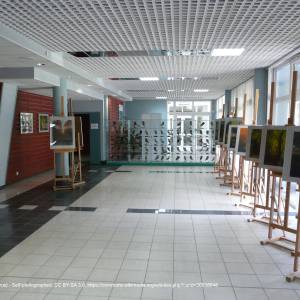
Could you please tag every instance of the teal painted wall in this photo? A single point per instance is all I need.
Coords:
(95, 143)
(134, 109)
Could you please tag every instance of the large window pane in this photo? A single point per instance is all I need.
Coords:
(283, 81)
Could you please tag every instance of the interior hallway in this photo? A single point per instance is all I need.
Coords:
(115, 230)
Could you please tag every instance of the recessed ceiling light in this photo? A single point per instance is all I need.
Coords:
(195, 78)
(161, 97)
(201, 90)
(40, 64)
(182, 90)
(149, 78)
(227, 52)
(171, 91)
(89, 85)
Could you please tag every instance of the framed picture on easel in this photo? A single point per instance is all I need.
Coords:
(228, 122)
(62, 133)
(291, 165)
(254, 143)
(232, 136)
(272, 149)
(241, 140)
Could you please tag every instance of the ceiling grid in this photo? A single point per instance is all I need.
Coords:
(267, 29)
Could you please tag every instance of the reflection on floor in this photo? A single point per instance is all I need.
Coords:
(97, 240)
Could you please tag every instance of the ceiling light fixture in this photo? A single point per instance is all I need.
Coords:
(161, 97)
(171, 91)
(79, 91)
(89, 85)
(40, 64)
(149, 78)
(182, 90)
(227, 52)
(201, 90)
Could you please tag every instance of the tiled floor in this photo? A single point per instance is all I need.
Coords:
(110, 246)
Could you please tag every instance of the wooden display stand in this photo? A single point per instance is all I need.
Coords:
(283, 223)
(75, 166)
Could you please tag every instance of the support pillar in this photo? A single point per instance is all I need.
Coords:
(61, 160)
(227, 102)
(104, 130)
(8, 100)
(213, 110)
(261, 83)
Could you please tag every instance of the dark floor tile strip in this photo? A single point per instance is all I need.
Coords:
(187, 211)
(78, 208)
(18, 224)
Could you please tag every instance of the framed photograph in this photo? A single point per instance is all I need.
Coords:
(62, 133)
(43, 123)
(26, 123)
(272, 149)
(241, 140)
(232, 135)
(228, 122)
(221, 131)
(216, 129)
(291, 164)
(254, 143)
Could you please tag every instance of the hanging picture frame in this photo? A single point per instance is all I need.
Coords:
(273, 147)
(26, 123)
(43, 122)
(254, 140)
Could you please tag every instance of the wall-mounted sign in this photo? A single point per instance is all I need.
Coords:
(94, 126)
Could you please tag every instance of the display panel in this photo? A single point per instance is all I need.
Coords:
(241, 140)
(233, 130)
(273, 146)
(228, 122)
(62, 133)
(291, 166)
(221, 132)
(254, 143)
(217, 128)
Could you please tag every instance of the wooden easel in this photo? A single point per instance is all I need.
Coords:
(248, 171)
(283, 225)
(75, 167)
(220, 165)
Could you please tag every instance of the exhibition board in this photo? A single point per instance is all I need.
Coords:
(241, 140)
(254, 143)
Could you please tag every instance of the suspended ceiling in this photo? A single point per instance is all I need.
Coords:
(267, 29)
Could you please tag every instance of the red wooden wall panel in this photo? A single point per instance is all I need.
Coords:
(29, 153)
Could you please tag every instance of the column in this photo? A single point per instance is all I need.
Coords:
(8, 100)
(62, 160)
(227, 103)
(261, 83)
(104, 130)
(213, 109)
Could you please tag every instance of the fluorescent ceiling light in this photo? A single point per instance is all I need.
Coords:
(171, 78)
(201, 90)
(161, 97)
(227, 52)
(89, 85)
(182, 90)
(79, 91)
(171, 91)
(149, 78)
